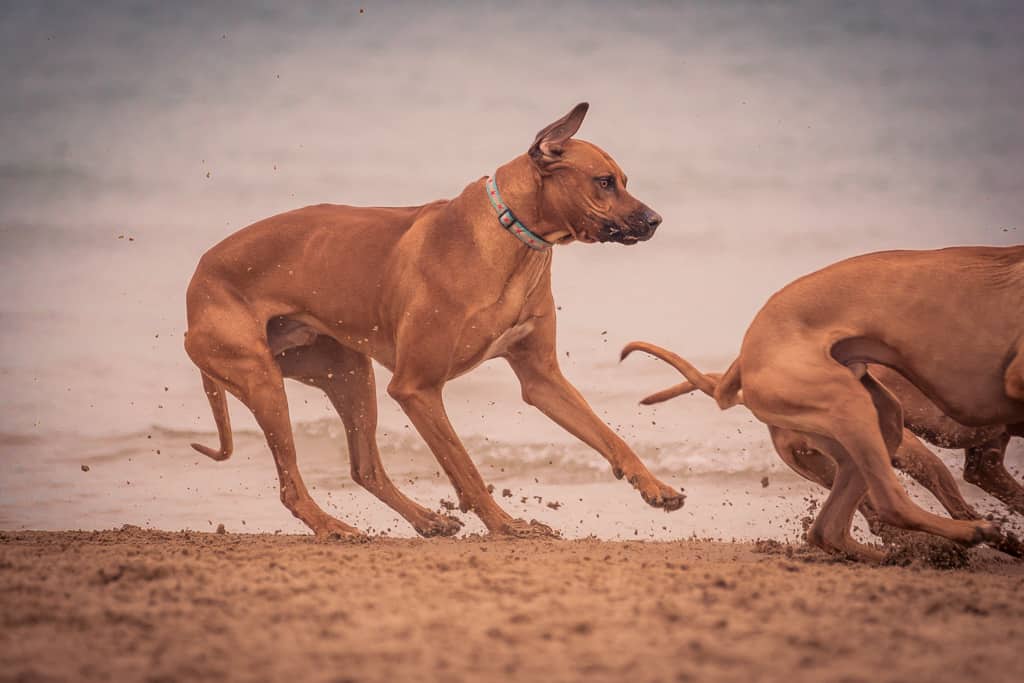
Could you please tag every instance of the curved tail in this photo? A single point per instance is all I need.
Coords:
(708, 383)
(673, 391)
(219, 405)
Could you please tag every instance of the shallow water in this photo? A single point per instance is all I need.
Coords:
(152, 479)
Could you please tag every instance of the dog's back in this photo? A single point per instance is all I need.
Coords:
(303, 232)
(942, 318)
(306, 247)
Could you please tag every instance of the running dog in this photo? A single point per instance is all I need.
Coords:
(429, 292)
(984, 447)
(948, 321)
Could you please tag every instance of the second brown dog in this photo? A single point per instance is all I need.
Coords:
(984, 447)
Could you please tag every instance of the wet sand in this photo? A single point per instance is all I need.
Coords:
(161, 606)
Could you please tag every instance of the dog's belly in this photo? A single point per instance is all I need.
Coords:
(285, 333)
(295, 330)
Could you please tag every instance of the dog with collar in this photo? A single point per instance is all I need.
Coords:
(429, 292)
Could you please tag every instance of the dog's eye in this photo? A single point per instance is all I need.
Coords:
(605, 182)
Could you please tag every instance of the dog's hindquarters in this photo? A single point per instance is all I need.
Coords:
(227, 340)
(796, 384)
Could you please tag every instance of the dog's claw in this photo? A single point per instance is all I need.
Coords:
(674, 502)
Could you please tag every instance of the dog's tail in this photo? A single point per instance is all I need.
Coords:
(219, 404)
(673, 391)
(696, 379)
(729, 391)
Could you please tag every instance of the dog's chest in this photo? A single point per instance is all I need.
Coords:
(508, 339)
(492, 331)
(479, 343)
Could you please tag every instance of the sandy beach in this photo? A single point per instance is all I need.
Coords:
(160, 606)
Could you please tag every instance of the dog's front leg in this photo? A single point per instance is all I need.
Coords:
(536, 365)
(417, 384)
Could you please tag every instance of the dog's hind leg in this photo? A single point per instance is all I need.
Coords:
(346, 376)
(862, 417)
(984, 468)
(826, 464)
(918, 461)
(913, 457)
(796, 450)
(831, 529)
(229, 346)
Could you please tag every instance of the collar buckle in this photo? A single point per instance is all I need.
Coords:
(508, 220)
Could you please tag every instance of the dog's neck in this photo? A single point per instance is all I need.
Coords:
(520, 185)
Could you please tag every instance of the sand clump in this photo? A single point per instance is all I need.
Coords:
(917, 549)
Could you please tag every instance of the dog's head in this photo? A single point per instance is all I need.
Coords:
(584, 187)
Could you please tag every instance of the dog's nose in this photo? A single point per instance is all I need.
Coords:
(653, 219)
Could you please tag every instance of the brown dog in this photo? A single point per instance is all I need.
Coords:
(429, 292)
(949, 321)
(984, 446)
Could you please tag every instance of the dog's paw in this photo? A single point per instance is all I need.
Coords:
(335, 530)
(854, 552)
(520, 528)
(661, 496)
(438, 525)
(987, 532)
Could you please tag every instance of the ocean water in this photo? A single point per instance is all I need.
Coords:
(774, 138)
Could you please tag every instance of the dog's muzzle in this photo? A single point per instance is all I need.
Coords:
(639, 226)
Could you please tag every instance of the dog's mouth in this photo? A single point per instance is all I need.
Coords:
(612, 231)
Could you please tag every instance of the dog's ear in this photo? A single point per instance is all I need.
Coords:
(547, 146)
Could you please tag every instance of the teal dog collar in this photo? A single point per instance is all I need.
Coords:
(509, 221)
